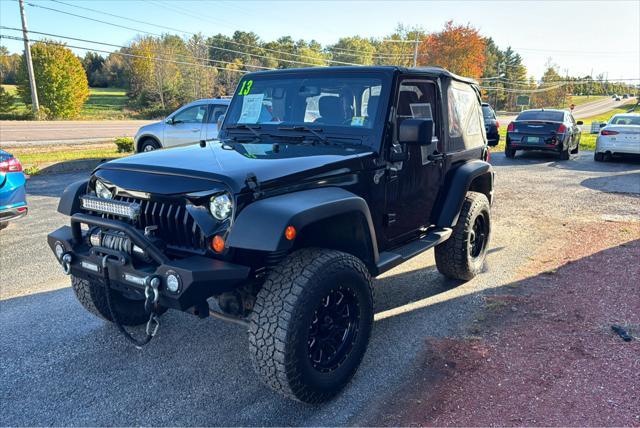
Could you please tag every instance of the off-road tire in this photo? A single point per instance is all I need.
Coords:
(3, 224)
(93, 298)
(150, 142)
(281, 322)
(564, 154)
(453, 257)
(598, 157)
(509, 152)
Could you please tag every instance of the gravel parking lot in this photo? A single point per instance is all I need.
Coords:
(61, 366)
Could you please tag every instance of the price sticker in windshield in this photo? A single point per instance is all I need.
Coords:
(246, 87)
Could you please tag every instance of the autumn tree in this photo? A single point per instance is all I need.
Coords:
(60, 80)
(458, 48)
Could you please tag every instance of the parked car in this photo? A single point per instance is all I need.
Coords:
(625, 96)
(617, 98)
(544, 129)
(13, 196)
(189, 124)
(619, 136)
(491, 125)
(285, 220)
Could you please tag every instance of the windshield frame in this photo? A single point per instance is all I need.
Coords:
(371, 137)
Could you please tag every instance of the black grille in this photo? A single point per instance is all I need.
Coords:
(175, 226)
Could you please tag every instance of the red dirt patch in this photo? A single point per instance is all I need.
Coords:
(548, 358)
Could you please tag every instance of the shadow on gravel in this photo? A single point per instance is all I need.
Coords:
(53, 184)
(622, 183)
(538, 349)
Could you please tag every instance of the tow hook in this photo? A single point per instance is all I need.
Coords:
(66, 263)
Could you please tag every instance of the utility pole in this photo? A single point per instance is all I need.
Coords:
(27, 54)
(415, 52)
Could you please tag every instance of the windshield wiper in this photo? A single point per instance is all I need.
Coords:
(305, 129)
(253, 129)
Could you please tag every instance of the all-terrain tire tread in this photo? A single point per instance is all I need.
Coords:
(274, 312)
(451, 255)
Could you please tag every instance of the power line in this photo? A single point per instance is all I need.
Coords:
(128, 47)
(188, 32)
(53, 42)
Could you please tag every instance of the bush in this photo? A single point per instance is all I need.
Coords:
(60, 79)
(124, 144)
(32, 170)
(6, 101)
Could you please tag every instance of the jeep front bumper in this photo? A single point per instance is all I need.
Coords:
(199, 277)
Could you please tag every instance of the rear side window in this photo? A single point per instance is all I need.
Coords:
(488, 113)
(466, 128)
(625, 120)
(554, 116)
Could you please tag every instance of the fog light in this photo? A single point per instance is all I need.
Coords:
(173, 282)
(59, 249)
(217, 243)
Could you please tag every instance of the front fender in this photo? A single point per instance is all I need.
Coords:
(70, 200)
(260, 226)
(460, 181)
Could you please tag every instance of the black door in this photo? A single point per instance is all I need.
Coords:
(412, 185)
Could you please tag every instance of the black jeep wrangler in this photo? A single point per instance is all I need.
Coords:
(321, 179)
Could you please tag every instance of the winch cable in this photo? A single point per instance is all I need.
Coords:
(151, 308)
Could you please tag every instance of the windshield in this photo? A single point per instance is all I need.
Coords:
(625, 120)
(487, 113)
(317, 101)
(553, 116)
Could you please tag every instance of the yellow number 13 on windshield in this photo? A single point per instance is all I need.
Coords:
(246, 87)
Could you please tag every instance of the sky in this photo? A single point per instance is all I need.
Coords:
(580, 37)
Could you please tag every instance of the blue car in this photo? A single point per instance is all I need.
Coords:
(13, 195)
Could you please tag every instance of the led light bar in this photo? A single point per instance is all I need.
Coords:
(129, 210)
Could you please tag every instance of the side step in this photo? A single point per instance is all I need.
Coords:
(390, 259)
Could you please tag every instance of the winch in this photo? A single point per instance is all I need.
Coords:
(117, 241)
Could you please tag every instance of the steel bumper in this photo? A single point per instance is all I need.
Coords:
(199, 277)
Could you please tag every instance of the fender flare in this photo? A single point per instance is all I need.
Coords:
(261, 225)
(70, 200)
(459, 184)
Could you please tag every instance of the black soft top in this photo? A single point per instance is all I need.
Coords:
(431, 71)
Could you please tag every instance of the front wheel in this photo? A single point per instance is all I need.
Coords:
(311, 324)
(92, 296)
(149, 145)
(462, 255)
(598, 157)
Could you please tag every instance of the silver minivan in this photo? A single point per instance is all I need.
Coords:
(189, 124)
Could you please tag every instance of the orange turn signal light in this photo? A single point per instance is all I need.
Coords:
(290, 233)
(217, 243)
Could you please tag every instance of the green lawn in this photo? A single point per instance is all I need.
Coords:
(103, 104)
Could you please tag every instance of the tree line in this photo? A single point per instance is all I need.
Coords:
(163, 72)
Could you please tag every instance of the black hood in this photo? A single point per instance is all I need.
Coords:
(194, 168)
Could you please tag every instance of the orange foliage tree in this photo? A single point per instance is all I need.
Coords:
(458, 48)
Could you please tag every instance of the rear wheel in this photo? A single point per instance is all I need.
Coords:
(148, 145)
(92, 296)
(3, 224)
(462, 255)
(564, 154)
(509, 152)
(311, 324)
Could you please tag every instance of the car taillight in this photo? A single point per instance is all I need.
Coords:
(607, 132)
(497, 125)
(510, 127)
(562, 129)
(10, 165)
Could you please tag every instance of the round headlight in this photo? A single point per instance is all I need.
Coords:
(221, 206)
(102, 191)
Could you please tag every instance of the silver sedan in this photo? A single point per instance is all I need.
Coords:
(189, 124)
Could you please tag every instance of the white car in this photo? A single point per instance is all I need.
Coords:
(619, 136)
(189, 124)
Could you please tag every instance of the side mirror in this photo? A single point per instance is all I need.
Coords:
(580, 122)
(602, 125)
(416, 131)
(219, 121)
(169, 121)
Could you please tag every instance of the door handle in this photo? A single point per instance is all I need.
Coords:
(195, 130)
(435, 156)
